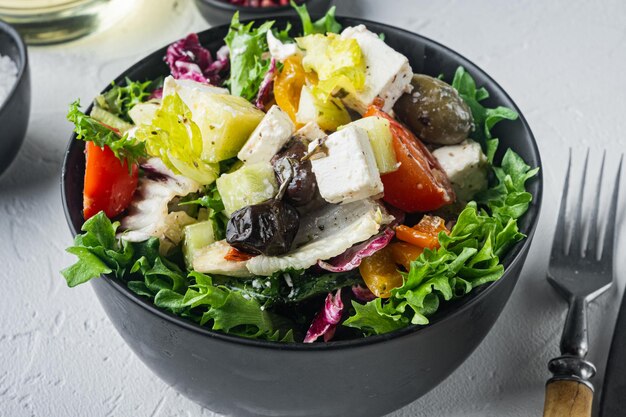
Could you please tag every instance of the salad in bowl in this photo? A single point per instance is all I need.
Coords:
(297, 187)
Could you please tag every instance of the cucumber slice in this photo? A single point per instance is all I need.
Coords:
(110, 119)
(250, 184)
(143, 113)
(381, 140)
(203, 214)
(226, 123)
(197, 236)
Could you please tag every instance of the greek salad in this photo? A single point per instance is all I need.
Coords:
(297, 187)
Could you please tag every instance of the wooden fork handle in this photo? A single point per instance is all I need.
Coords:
(567, 398)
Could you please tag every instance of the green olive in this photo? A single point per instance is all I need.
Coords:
(434, 111)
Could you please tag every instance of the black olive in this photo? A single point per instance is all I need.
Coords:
(289, 166)
(267, 228)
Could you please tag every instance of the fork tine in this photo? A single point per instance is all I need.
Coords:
(609, 234)
(576, 239)
(559, 244)
(591, 251)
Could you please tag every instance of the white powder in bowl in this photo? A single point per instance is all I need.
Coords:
(8, 76)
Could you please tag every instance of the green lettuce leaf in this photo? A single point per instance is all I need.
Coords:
(372, 319)
(324, 25)
(120, 99)
(190, 295)
(88, 129)
(97, 250)
(212, 201)
(248, 65)
(470, 255)
(290, 287)
(509, 200)
(484, 118)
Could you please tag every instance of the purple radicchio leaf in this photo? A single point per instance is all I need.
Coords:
(362, 294)
(266, 86)
(188, 60)
(325, 322)
(156, 94)
(351, 258)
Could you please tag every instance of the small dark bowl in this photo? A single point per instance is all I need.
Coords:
(220, 12)
(15, 111)
(363, 377)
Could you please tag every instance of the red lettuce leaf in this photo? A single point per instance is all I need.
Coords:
(156, 94)
(325, 322)
(352, 257)
(188, 60)
(362, 294)
(266, 86)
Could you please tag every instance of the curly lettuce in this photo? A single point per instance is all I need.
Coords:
(87, 128)
(326, 24)
(120, 99)
(469, 256)
(248, 63)
(148, 274)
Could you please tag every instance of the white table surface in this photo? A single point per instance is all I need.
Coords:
(562, 61)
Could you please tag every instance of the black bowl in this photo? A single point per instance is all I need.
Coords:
(220, 12)
(363, 377)
(15, 111)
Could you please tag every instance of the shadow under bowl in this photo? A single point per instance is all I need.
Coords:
(220, 12)
(363, 377)
(15, 111)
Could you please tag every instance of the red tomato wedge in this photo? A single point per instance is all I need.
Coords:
(419, 184)
(109, 185)
(235, 255)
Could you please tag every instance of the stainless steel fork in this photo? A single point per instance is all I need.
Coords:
(580, 271)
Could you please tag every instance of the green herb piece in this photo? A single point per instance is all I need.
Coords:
(87, 128)
(212, 200)
(120, 99)
(326, 24)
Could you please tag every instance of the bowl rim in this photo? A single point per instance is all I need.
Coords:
(223, 5)
(515, 255)
(23, 64)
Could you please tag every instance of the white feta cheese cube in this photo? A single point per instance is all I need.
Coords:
(270, 135)
(388, 72)
(347, 170)
(278, 50)
(466, 166)
(310, 132)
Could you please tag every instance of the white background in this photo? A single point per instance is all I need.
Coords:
(562, 61)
